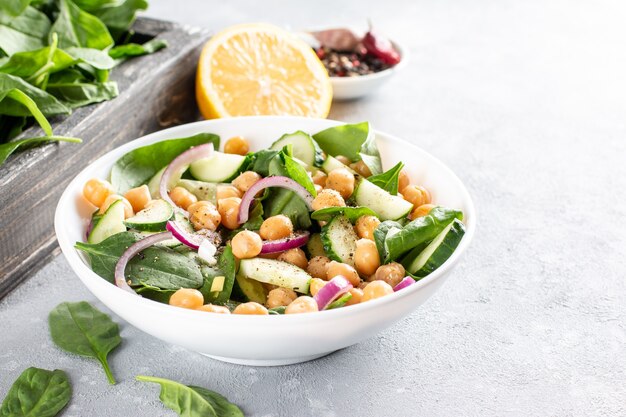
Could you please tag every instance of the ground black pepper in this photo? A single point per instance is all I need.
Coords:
(349, 63)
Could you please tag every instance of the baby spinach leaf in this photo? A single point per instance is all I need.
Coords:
(163, 268)
(75, 27)
(94, 57)
(94, 5)
(255, 218)
(23, 99)
(277, 310)
(192, 401)
(8, 148)
(14, 7)
(134, 49)
(139, 165)
(226, 267)
(104, 255)
(388, 180)
(37, 393)
(283, 164)
(25, 32)
(82, 329)
(345, 140)
(370, 156)
(78, 94)
(47, 104)
(30, 64)
(261, 161)
(381, 233)
(120, 17)
(352, 213)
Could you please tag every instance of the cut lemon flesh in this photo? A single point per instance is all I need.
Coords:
(259, 69)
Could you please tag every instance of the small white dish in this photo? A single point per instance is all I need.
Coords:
(263, 340)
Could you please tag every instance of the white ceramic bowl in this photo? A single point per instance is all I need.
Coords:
(349, 88)
(263, 340)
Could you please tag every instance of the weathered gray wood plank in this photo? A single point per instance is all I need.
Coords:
(156, 91)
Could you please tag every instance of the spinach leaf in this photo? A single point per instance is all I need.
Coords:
(119, 17)
(277, 310)
(255, 218)
(104, 255)
(31, 65)
(94, 57)
(381, 233)
(191, 401)
(388, 180)
(261, 161)
(397, 242)
(82, 329)
(79, 94)
(46, 103)
(340, 302)
(163, 268)
(139, 165)
(14, 7)
(94, 5)
(156, 294)
(352, 213)
(370, 156)
(24, 32)
(76, 27)
(24, 100)
(8, 148)
(133, 49)
(226, 267)
(37, 393)
(283, 164)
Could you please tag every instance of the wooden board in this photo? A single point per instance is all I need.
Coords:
(156, 91)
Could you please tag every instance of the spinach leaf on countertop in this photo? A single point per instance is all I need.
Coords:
(37, 393)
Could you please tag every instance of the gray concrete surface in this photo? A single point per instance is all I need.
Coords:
(526, 101)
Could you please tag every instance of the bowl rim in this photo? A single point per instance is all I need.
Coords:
(83, 271)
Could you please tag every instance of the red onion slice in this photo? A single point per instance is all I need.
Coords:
(332, 290)
(183, 236)
(275, 181)
(295, 241)
(406, 281)
(179, 165)
(134, 249)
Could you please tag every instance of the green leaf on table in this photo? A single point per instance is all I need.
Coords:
(75, 27)
(8, 148)
(37, 393)
(388, 180)
(46, 103)
(139, 165)
(134, 49)
(82, 329)
(119, 18)
(25, 32)
(192, 401)
(352, 213)
(81, 93)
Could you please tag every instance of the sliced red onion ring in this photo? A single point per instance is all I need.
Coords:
(332, 290)
(406, 281)
(179, 165)
(295, 241)
(275, 181)
(134, 249)
(185, 237)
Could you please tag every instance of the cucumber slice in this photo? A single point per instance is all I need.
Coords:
(249, 290)
(314, 246)
(111, 223)
(333, 163)
(205, 191)
(220, 167)
(339, 240)
(153, 218)
(438, 251)
(155, 183)
(276, 272)
(303, 148)
(388, 207)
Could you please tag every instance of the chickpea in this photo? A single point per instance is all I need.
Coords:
(365, 226)
(315, 285)
(319, 178)
(357, 296)
(237, 145)
(225, 191)
(295, 257)
(328, 198)
(245, 180)
(361, 168)
(204, 215)
(343, 159)
(251, 308)
(317, 267)
(366, 258)
(341, 180)
(280, 297)
(128, 209)
(138, 197)
(421, 211)
(211, 308)
(229, 210)
(187, 298)
(302, 304)
(97, 190)
(376, 289)
(335, 268)
(403, 180)
(246, 244)
(182, 197)
(416, 195)
(391, 273)
(276, 227)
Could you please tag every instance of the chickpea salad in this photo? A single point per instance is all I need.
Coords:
(311, 223)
